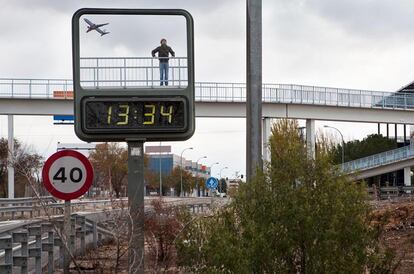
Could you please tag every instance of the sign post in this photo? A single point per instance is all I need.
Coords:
(67, 230)
(136, 205)
(67, 175)
(212, 184)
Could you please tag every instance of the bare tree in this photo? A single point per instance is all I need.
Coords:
(110, 162)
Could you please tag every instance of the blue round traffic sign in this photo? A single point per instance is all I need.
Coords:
(212, 183)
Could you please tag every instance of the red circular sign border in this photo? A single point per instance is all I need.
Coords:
(61, 195)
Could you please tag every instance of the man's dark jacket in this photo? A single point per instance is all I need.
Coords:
(163, 51)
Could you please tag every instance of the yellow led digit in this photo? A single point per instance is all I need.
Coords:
(109, 114)
(150, 114)
(167, 114)
(123, 114)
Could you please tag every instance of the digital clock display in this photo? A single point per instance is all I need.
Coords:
(135, 115)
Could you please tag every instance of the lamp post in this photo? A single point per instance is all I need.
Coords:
(211, 167)
(301, 129)
(181, 170)
(197, 187)
(220, 176)
(343, 141)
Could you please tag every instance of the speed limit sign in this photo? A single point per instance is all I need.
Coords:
(67, 174)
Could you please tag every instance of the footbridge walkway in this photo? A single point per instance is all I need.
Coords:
(381, 163)
(54, 97)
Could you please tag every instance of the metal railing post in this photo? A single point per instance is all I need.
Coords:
(97, 72)
(120, 77)
(30, 88)
(50, 259)
(21, 261)
(152, 72)
(37, 251)
(48, 88)
(48, 246)
(146, 76)
(125, 73)
(59, 243)
(179, 72)
(6, 244)
(94, 234)
(82, 222)
(232, 92)
(12, 88)
(405, 102)
(172, 73)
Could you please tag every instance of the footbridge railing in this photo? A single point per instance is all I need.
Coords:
(230, 92)
(384, 158)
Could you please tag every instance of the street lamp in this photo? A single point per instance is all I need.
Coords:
(198, 189)
(181, 169)
(222, 170)
(211, 167)
(301, 129)
(343, 141)
(220, 176)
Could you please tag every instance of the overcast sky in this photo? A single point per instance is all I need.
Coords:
(363, 44)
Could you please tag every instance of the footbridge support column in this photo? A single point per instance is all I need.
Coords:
(411, 135)
(266, 127)
(407, 176)
(310, 138)
(10, 168)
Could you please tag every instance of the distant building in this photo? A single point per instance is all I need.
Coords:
(161, 159)
(167, 162)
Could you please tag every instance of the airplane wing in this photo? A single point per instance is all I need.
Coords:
(89, 22)
(101, 25)
(100, 31)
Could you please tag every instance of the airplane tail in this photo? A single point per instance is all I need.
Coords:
(104, 32)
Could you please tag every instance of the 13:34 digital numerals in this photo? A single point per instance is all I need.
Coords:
(149, 113)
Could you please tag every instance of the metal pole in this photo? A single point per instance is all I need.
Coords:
(388, 131)
(10, 168)
(220, 178)
(254, 88)
(396, 133)
(405, 134)
(211, 173)
(181, 174)
(181, 171)
(196, 177)
(136, 206)
(310, 138)
(160, 173)
(67, 224)
(343, 141)
(266, 136)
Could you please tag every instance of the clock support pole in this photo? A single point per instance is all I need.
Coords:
(136, 206)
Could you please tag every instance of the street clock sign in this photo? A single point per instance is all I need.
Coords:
(133, 74)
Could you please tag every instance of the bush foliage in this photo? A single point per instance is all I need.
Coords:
(299, 216)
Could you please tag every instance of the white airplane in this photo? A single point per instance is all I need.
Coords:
(96, 27)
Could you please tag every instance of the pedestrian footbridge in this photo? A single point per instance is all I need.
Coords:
(213, 99)
(382, 163)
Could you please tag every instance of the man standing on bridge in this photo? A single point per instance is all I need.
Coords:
(163, 53)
